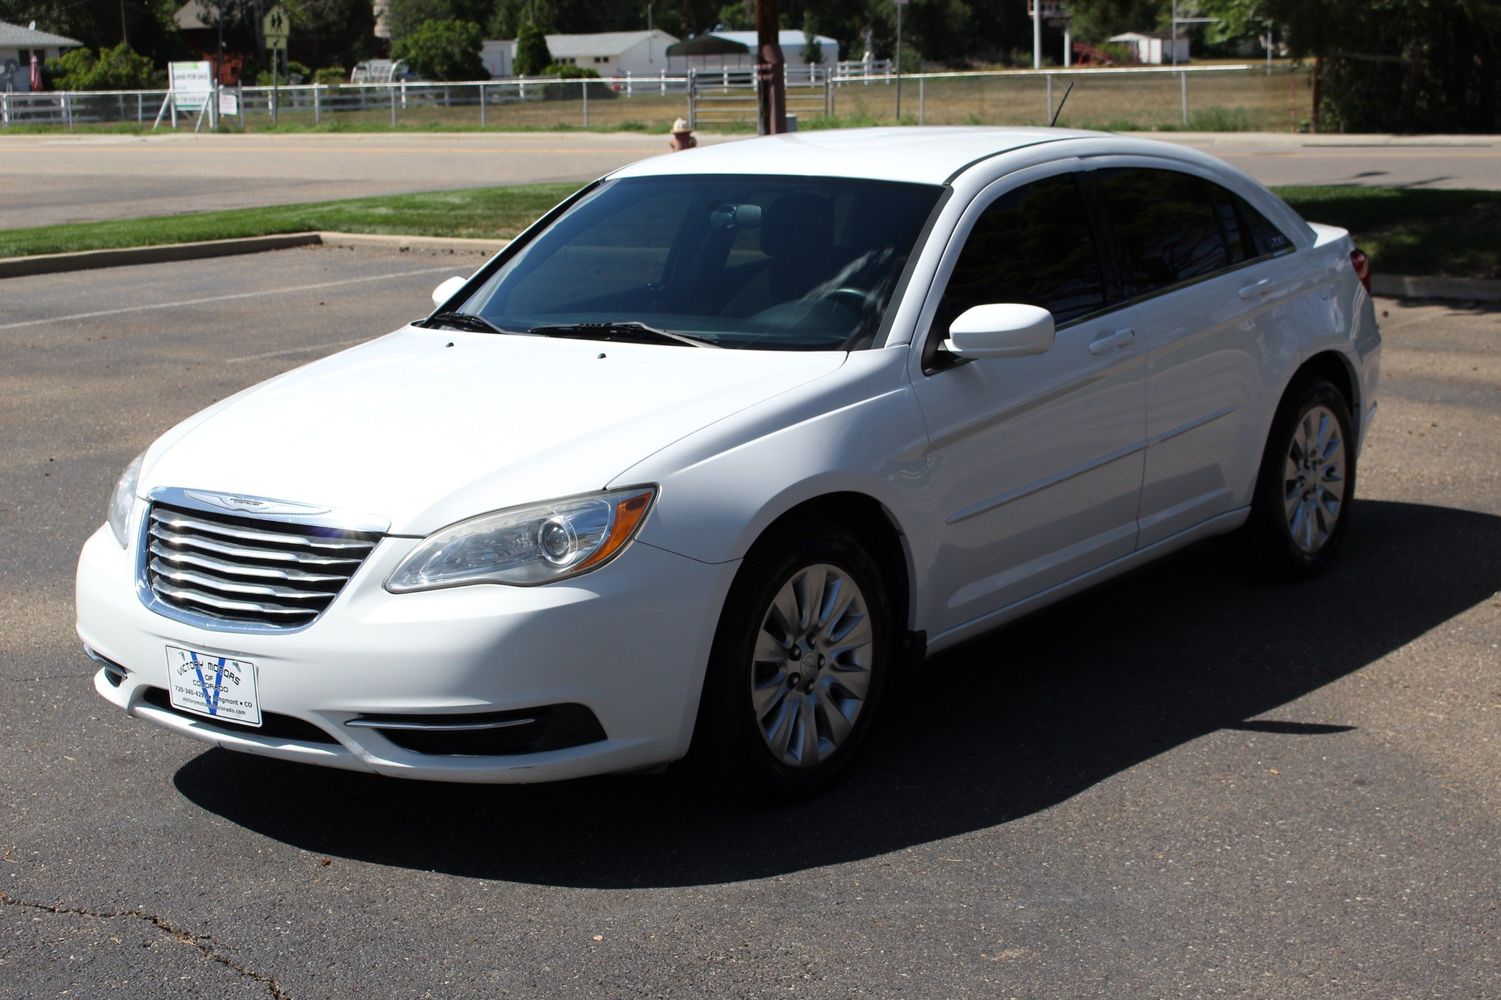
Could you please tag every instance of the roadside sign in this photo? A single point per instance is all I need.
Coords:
(192, 82)
(276, 26)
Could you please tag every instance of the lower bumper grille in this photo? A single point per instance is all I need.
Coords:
(273, 725)
(493, 734)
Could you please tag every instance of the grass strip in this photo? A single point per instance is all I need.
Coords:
(1412, 231)
(1404, 230)
(482, 213)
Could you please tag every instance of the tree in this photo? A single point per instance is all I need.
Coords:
(145, 25)
(118, 68)
(407, 16)
(1382, 65)
(331, 32)
(532, 56)
(443, 50)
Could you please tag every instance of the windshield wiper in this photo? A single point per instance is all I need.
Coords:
(632, 332)
(463, 321)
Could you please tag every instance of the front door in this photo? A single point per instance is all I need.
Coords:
(1037, 461)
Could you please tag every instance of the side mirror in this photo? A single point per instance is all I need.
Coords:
(1009, 330)
(446, 291)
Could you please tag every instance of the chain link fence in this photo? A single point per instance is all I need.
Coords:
(1207, 98)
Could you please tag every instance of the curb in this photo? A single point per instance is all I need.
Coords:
(54, 263)
(425, 244)
(1386, 285)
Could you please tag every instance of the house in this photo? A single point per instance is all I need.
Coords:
(1154, 47)
(17, 43)
(717, 49)
(608, 53)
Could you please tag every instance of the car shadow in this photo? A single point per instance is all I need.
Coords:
(1001, 728)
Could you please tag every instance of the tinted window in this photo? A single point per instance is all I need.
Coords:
(1033, 245)
(1265, 238)
(1166, 227)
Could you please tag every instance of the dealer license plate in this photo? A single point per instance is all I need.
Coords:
(219, 687)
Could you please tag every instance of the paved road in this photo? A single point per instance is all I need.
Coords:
(61, 178)
(1185, 784)
(86, 178)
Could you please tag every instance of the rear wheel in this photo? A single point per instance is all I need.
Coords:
(799, 662)
(1307, 480)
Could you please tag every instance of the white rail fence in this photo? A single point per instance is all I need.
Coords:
(707, 97)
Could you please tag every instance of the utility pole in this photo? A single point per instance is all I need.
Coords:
(124, 28)
(771, 102)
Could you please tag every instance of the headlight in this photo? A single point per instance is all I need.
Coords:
(528, 545)
(124, 498)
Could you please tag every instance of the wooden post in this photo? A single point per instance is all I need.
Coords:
(1318, 65)
(771, 69)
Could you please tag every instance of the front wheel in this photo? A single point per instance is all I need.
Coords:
(1306, 483)
(799, 662)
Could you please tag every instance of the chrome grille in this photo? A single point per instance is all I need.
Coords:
(223, 570)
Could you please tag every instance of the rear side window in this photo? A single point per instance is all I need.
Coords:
(1169, 228)
(1033, 245)
(1266, 238)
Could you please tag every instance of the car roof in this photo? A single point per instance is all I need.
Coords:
(926, 155)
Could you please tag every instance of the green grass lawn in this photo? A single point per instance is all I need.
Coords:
(478, 212)
(1413, 231)
(1404, 230)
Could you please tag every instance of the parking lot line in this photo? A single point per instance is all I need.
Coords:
(222, 298)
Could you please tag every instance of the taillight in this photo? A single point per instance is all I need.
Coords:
(1362, 265)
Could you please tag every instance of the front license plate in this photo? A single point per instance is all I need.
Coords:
(219, 687)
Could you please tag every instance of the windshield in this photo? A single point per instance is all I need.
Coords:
(782, 263)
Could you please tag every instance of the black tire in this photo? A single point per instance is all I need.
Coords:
(729, 740)
(1301, 549)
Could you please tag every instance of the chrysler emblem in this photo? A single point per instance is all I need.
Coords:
(253, 505)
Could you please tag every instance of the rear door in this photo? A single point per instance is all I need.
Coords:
(1206, 282)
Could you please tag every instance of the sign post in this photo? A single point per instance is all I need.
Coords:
(275, 27)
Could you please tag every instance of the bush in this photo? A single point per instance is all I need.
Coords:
(443, 50)
(331, 76)
(568, 71)
(566, 92)
(532, 56)
(295, 73)
(118, 68)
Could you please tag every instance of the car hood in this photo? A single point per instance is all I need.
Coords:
(426, 427)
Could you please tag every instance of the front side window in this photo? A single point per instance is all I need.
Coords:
(782, 263)
(1033, 245)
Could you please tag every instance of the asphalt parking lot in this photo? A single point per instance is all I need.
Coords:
(1187, 783)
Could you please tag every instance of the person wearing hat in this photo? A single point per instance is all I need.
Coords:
(682, 136)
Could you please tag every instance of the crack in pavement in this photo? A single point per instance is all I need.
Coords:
(204, 945)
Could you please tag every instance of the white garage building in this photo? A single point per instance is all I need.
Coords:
(608, 53)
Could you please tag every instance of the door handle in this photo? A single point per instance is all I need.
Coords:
(1119, 339)
(1256, 289)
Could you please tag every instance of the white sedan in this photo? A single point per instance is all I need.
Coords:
(711, 451)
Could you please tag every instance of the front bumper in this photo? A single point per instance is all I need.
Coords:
(628, 642)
